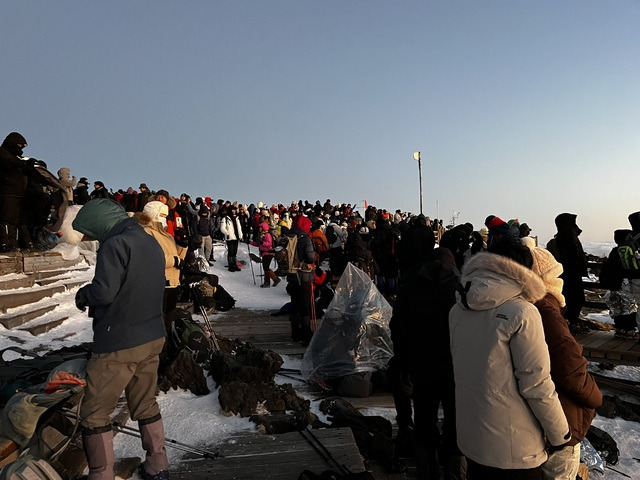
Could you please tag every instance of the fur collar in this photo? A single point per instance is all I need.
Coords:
(490, 265)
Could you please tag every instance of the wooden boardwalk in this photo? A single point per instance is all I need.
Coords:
(273, 457)
(605, 347)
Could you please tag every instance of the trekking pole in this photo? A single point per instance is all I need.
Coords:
(251, 263)
(168, 441)
(314, 320)
(617, 471)
(198, 299)
(324, 452)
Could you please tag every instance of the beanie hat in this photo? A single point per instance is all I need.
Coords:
(548, 268)
(264, 226)
(143, 185)
(154, 209)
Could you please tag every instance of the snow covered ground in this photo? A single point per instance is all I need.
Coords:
(199, 421)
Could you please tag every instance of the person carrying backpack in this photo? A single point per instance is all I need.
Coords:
(300, 284)
(125, 301)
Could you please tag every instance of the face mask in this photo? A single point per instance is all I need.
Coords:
(163, 222)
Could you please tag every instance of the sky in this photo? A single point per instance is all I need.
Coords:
(520, 109)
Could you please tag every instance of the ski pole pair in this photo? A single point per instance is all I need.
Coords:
(197, 297)
(168, 441)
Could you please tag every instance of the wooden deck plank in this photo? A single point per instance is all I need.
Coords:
(603, 346)
(273, 457)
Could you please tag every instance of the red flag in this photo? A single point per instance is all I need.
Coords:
(366, 205)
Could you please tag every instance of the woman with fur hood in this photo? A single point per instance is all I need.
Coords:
(153, 219)
(577, 390)
(507, 409)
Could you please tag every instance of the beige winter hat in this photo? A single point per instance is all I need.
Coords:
(545, 265)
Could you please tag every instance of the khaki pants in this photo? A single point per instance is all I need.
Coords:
(134, 371)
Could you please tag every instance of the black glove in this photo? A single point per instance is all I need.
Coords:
(178, 262)
(81, 299)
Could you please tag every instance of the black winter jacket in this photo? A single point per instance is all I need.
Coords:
(127, 289)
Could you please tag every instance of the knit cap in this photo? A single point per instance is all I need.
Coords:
(154, 209)
(545, 265)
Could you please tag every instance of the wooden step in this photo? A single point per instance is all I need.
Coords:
(22, 318)
(10, 263)
(44, 327)
(48, 261)
(12, 300)
(69, 282)
(37, 276)
(20, 282)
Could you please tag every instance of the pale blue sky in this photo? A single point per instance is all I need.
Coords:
(520, 108)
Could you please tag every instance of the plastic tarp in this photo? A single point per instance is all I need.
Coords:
(354, 334)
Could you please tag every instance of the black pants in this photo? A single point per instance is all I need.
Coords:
(232, 248)
(475, 471)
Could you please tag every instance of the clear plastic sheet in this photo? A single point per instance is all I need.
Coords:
(590, 457)
(354, 334)
(621, 302)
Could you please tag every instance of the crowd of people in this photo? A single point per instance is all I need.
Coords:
(498, 310)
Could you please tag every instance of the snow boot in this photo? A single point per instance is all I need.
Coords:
(98, 448)
(266, 283)
(274, 277)
(155, 465)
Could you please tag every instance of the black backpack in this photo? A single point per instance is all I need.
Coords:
(21, 373)
(224, 300)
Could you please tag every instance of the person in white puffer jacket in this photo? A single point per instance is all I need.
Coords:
(507, 409)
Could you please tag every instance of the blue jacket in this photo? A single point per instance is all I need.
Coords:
(127, 290)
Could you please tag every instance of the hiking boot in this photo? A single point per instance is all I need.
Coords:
(577, 329)
(162, 475)
(265, 284)
(276, 281)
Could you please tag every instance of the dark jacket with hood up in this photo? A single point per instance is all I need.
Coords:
(421, 314)
(127, 290)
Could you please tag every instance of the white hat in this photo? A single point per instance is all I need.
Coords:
(154, 209)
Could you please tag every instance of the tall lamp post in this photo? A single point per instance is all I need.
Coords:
(416, 157)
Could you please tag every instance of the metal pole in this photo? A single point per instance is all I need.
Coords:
(416, 156)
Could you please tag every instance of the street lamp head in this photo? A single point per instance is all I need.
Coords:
(416, 156)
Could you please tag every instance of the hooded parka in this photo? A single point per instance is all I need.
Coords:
(506, 402)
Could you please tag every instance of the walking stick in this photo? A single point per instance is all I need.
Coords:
(314, 321)
(168, 442)
(197, 297)
(251, 263)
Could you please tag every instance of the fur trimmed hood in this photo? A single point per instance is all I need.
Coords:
(493, 280)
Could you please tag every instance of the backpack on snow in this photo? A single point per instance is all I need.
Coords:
(223, 299)
(188, 335)
(330, 233)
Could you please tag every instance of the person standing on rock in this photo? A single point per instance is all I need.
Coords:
(125, 301)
